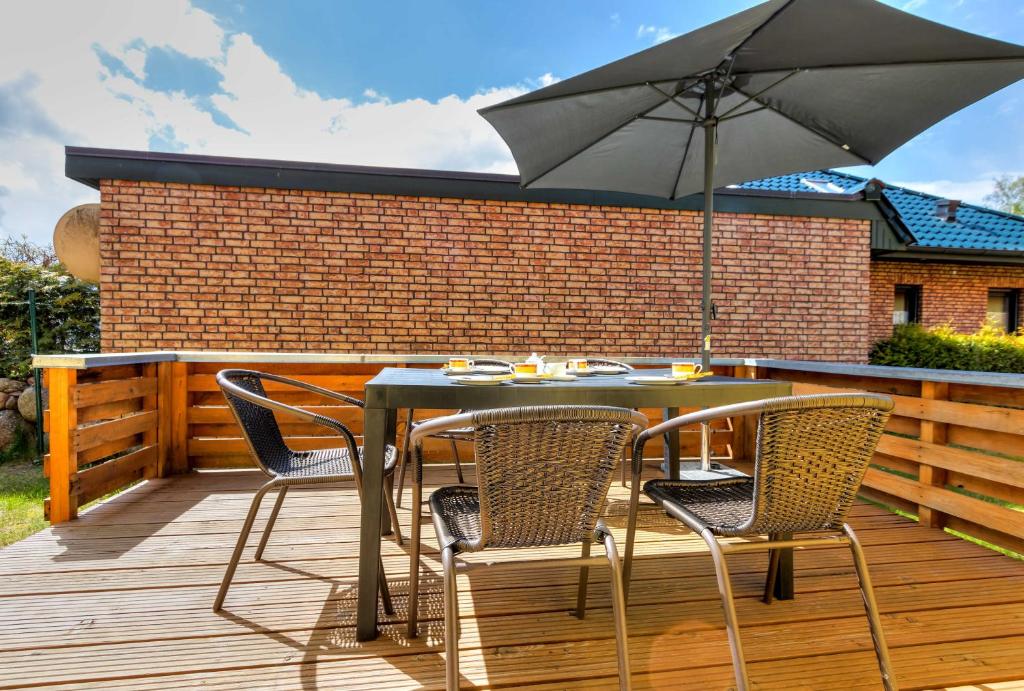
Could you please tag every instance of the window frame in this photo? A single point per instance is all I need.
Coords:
(912, 298)
(1012, 297)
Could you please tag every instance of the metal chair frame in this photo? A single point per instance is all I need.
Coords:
(451, 546)
(281, 482)
(780, 536)
(453, 436)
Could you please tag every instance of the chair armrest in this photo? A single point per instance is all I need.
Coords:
(326, 393)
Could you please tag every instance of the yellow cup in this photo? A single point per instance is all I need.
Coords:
(526, 368)
(682, 370)
(459, 363)
(578, 364)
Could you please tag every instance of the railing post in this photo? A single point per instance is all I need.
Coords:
(178, 449)
(164, 404)
(63, 466)
(933, 433)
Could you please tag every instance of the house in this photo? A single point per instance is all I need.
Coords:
(201, 252)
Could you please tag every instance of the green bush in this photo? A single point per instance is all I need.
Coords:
(989, 350)
(68, 313)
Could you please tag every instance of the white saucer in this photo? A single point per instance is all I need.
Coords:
(607, 369)
(656, 381)
(478, 380)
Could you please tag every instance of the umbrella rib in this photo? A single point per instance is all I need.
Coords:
(756, 96)
(674, 99)
(845, 147)
(586, 146)
(740, 115)
(753, 32)
(686, 154)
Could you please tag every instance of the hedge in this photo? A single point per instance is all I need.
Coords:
(989, 350)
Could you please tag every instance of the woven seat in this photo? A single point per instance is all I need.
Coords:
(544, 473)
(811, 455)
(716, 504)
(324, 465)
(254, 411)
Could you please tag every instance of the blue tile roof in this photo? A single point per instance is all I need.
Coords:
(975, 227)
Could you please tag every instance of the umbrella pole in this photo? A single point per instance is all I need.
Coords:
(710, 128)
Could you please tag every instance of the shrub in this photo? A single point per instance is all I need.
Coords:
(68, 314)
(989, 350)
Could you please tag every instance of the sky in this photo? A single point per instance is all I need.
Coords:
(391, 83)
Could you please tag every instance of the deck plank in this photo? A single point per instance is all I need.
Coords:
(120, 599)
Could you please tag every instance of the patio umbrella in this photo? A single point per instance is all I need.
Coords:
(786, 86)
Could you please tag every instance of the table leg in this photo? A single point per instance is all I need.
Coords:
(671, 451)
(375, 424)
(390, 433)
(784, 583)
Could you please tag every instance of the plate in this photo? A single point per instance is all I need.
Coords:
(478, 380)
(607, 369)
(582, 372)
(456, 372)
(529, 379)
(562, 377)
(656, 381)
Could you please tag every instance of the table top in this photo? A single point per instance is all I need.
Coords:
(398, 387)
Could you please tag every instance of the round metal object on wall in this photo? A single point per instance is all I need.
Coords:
(76, 239)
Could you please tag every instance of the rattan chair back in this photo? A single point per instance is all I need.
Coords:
(544, 472)
(812, 453)
(258, 424)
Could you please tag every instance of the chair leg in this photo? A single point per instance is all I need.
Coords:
(619, 612)
(871, 607)
(385, 591)
(271, 521)
(634, 507)
(414, 559)
(389, 500)
(451, 621)
(458, 462)
(729, 607)
(405, 459)
(581, 589)
(229, 573)
(774, 559)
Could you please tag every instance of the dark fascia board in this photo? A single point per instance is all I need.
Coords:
(951, 255)
(89, 166)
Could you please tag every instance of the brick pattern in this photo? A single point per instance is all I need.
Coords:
(204, 267)
(955, 294)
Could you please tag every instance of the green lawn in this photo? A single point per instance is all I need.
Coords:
(22, 490)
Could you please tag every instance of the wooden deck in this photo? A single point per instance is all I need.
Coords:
(121, 599)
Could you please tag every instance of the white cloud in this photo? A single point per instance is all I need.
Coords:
(55, 58)
(970, 191)
(656, 34)
(912, 5)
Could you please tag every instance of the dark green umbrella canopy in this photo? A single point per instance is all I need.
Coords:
(794, 84)
(786, 86)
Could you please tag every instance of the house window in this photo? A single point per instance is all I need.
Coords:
(1002, 308)
(907, 305)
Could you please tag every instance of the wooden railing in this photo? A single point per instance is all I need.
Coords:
(952, 455)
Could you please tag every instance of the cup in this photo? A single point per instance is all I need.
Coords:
(579, 364)
(556, 369)
(459, 364)
(682, 370)
(526, 368)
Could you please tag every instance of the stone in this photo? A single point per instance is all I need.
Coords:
(12, 403)
(12, 426)
(3, 399)
(11, 385)
(27, 403)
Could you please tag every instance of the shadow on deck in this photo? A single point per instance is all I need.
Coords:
(121, 599)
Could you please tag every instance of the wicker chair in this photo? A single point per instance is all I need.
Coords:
(254, 412)
(453, 436)
(812, 453)
(543, 473)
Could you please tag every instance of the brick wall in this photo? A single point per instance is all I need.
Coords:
(203, 267)
(954, 294)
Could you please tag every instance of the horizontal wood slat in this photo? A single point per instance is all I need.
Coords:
(93, 435)
(110, 391)
(993, 468)
(114, 474)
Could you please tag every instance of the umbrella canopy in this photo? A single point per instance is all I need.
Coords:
(786, 86)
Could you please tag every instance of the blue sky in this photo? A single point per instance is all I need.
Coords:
(393, 83)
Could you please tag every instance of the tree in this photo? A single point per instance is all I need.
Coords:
(24, 251)
(68, 313)
(1008, 195)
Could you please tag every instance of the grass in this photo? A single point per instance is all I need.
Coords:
(22, 490)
